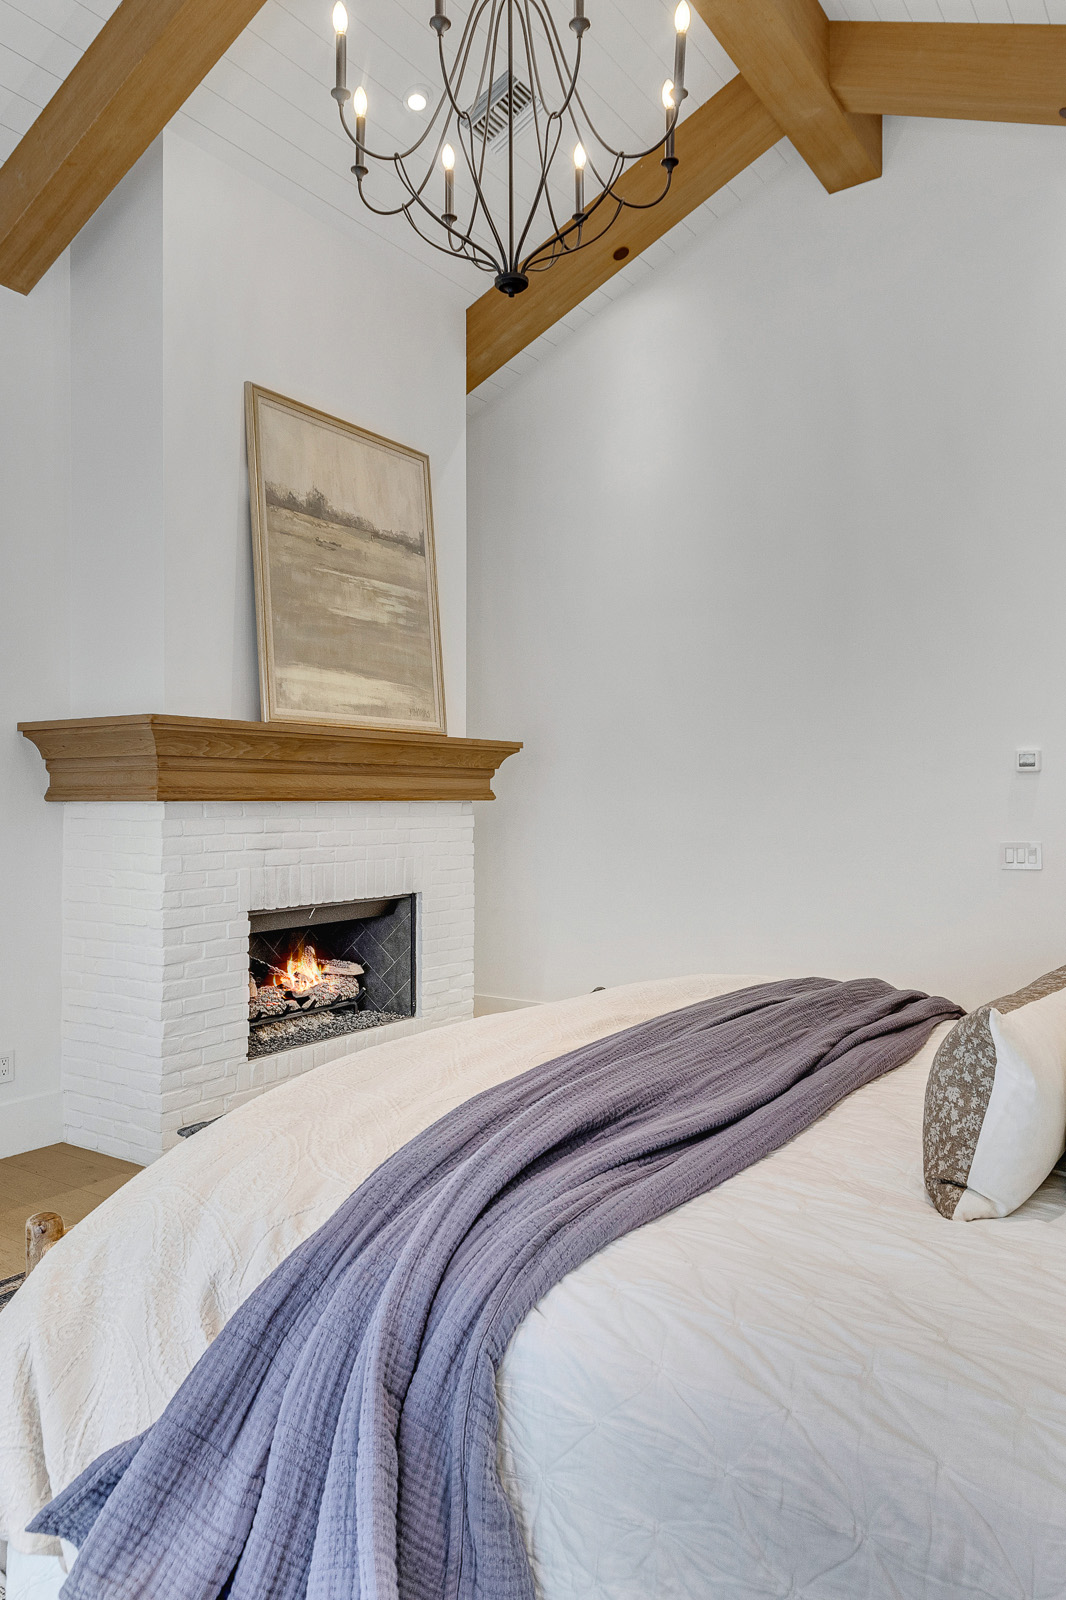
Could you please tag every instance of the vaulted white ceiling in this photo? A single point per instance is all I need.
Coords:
(266, 105)
(268, 102)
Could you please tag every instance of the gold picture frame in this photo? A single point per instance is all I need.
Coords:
(347, 617)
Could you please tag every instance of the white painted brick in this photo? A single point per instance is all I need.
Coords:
(155, 945)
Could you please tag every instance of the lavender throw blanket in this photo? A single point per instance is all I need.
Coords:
(339, 1437)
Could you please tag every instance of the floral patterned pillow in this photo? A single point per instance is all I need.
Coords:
(959, 1090)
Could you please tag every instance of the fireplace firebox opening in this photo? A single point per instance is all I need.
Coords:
(317, 972)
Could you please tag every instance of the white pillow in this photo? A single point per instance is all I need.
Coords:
(1024, 1128)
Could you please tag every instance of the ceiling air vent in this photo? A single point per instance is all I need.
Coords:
(489, 117)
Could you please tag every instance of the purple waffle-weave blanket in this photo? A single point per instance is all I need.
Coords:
(339, 1437)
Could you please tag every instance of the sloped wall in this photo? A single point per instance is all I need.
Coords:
(767, 568)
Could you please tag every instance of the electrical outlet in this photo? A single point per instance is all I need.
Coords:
(7, 1066)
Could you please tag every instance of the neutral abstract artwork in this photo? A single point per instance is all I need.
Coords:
(346, 590)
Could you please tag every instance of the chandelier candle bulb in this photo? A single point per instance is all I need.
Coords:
(340, 24)
(359, 104)
(447, 161)
(682, 18)
(669, 160)
(579, 182)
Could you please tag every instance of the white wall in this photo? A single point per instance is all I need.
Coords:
(357, 330)
(126, 575)
(767, 568)
(118, 382)
(190, 280)
(34, 682)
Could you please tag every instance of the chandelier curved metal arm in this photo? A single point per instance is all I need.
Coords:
(511, 77)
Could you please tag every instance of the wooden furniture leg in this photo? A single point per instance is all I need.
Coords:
(43, 1229)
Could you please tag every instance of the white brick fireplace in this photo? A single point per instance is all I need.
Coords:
(156, 902)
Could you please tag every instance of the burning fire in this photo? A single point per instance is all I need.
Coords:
(301, 972)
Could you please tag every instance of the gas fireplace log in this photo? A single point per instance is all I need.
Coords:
(333, 988)
(272, 1000)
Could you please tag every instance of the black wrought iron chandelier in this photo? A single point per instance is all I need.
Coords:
(510, 77)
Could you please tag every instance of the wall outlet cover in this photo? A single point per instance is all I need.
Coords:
(7, 1066)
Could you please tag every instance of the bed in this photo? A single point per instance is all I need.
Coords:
(805, 1382)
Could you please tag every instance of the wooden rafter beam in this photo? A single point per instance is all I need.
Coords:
(714, 145)
(781, 47)
(987, 72)
(143, 64)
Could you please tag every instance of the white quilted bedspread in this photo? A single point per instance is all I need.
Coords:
(806, 1383)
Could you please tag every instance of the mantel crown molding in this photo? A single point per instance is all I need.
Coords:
(154, 757)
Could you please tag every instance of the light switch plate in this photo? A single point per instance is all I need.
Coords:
(1028, 760)
(1022, 857)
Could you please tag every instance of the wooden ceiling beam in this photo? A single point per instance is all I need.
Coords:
(987, 72)
(781, 47)
(714, 145)
(143, 64)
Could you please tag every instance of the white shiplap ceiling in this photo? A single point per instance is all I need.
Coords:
(266, 105)
(269, 97)
(267, 101)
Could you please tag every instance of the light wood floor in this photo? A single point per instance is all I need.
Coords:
(58, 1178)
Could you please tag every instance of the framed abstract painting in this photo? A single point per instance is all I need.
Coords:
(345, 572)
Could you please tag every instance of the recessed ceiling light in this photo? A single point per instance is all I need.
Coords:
(416, 100)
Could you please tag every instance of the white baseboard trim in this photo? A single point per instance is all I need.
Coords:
(30, 1123)
(487, 1005)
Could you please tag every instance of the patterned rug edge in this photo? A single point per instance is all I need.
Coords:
(8, 1287)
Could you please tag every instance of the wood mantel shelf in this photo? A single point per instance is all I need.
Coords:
(196, 758)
